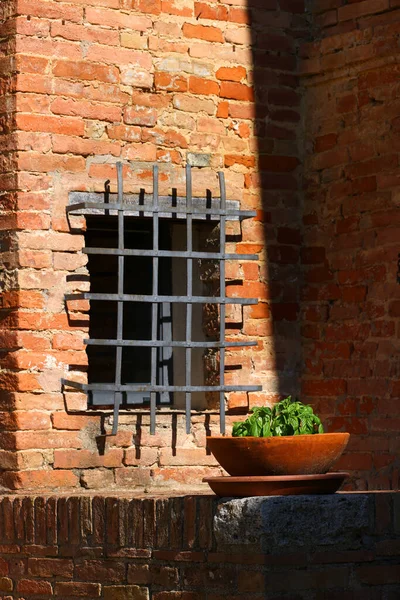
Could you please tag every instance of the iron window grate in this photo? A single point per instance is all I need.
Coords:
(150, 206)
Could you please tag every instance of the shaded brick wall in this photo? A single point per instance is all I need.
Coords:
(138, 81)
(350, 323)
(172, 549)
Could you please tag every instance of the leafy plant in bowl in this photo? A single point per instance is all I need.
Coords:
(287, 417)
(287, 439)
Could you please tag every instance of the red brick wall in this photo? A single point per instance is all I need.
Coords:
(306, 134)
(166, 549)
(136, 81)
(350, 310)
(8, 185)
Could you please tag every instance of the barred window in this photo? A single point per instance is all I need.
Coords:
(157, 269)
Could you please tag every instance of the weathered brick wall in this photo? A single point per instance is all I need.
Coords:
(10, 298)
(350, 323)
(88, 84)
(176, 548)
(139, 81)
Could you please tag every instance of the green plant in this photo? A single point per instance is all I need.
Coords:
(287, 417)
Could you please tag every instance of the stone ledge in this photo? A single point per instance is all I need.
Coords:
(273, 524)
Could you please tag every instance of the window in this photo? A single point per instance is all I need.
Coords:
(147, 259)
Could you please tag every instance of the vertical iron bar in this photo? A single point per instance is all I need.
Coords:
(189, 292)
(154, 315)
(222, 293)
(120, 310)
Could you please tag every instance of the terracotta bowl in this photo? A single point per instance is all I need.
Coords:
(286, 455)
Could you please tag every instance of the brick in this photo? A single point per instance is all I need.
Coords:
(239, 15)
(124, 132)
(132, 40)
(97, 479)
(34, 201)
(324, 388)
(193, 105)
(239, 35)
(67, 341)
(101, 571)
(34, 161)
(325, 142)
(202, 32)
(105, 16)
(83, 108)
(236, 74)
(246, 161)
(282, 97)
(278, 164)
(51, 48)
(213, 13)
(139, 77)
(362, 8)
(8, 460)
(170, 83)
(77, 590)
(6, 584)
(186, 456)
(125, 592)
(205, 87)
(32, 26)
(4, 567)
(51, 124)
(62, 420)
(142, 152)
(140, 116)
(86, 71)
(45, 479)
(126, 57)
(38, 401)
(82, 459)
(139, 574)
(51, 240)
(21, 420)
(43, 439)
(78, 33)
(346, 104)
(172, 7)
(164, 138)
(238, 401)
(49, 10)
(50, 567)
(236, 91)
(142, 456)
(150, 6)
(284, 311)
(35, 259)
(30, 586)
(35, 103)
(63, 144)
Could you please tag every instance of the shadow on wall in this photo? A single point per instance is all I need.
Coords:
(276, 30)
(327, 122)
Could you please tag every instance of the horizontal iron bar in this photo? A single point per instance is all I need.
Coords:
(166, 344)
(111, 387)
(168, 209)
(146, 199)
(170, 253)
(146, 298)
